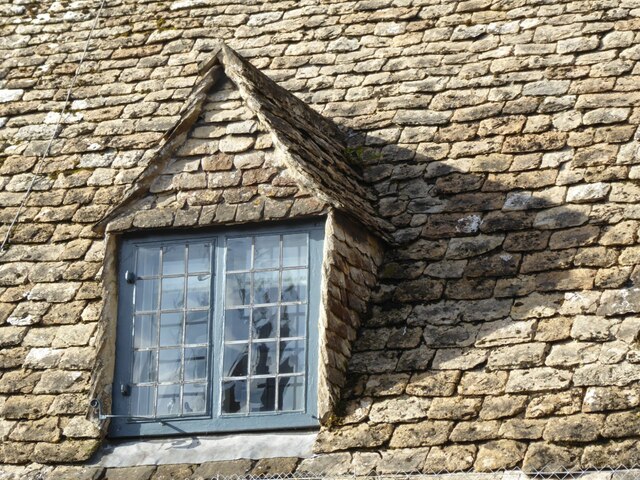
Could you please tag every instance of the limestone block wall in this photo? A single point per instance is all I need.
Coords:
(503, 143)
(350, 269)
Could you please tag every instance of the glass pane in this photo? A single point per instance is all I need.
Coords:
(265, 322)
(144, 366)
(290, 393)
(234, 396)
(237, 291)
(144, 331)
(238, 254)
(194, 398)
(267, 252)
(292, 356)
(263, 395)
(265, 285)
(195, 363)
(148, 262)
(263, 358)
(294, 250)
(142, 400)
(236, 324)
(146, 295)
(199, 258)
(293, 320)
(168, 400)
(294, 285)
(197, 328)
(170, 329)
(235, 360)
(172, 293)
(169, 365)
(173, 260)
(198, 291)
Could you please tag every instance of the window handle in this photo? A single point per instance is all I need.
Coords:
(125, 390)
(129, 276)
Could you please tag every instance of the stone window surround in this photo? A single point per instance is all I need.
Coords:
(338, 230)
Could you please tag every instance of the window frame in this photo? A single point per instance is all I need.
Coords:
(122, 425)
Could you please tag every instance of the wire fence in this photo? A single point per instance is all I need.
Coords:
(620, 473)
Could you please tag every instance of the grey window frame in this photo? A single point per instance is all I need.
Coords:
(122, 425)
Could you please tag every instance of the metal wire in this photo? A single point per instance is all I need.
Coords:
(54, 135)
(552, 473)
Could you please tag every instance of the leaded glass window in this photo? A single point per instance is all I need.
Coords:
(217, 331)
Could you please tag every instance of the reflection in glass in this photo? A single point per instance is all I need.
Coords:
(198, 291)
(234, 396)
(235, 360)
(294, 250)
(199, 258)
(267, 252)
(236, 324)
(292, 356)
(173, 260)
(170, 329)
(197, 327)
(145, 331)
(293, 321)
(237, 289)
(265, 285)
(144, 366)
(146, 295)
(263, 358)
(262, 397)
(238, 254)
(294, 285)
(172, 293)
(168, 400)
(291, 393)
(142, 400)
(194, 398)
(148, 261)
(265, 322)
(195, 363)
(169, 365)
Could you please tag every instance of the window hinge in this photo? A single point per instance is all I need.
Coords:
(129, 276)
(125, 390)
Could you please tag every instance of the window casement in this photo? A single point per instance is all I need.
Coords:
(218, 331)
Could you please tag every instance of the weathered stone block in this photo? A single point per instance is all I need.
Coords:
(454, 408)
(600, 399)
(597, 375)
(399, 409)
(547, 457)
(505, 332)
(620, 453)
(522, 429)
(537, 379)
(452, 458)
(517, 356)
(402, 460)
(65, 451)
(499, 454)
(433, 384)
(458, 358)
(482, 383)
(574, 428)
(421, 434)
(475, 431)
(358, 436)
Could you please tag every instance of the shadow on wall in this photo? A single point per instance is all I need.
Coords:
(506, 299)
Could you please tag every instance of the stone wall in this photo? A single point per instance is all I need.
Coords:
(350, 269)
(501, 139)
